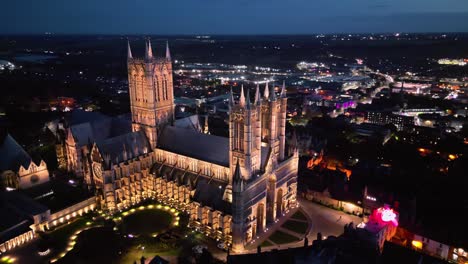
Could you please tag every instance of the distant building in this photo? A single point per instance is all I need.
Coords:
(381, 226)
(411, 88)
(417, 111)
(371, 130)
(385, 118)
(393, 253)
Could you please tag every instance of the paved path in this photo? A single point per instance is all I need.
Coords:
(292, 233)
(298, 220)
(321, 219)
(252, 247)
(325, 220)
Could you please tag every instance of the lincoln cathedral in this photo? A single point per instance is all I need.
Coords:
(233, 188)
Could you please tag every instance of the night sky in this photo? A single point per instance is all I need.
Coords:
(232, 16)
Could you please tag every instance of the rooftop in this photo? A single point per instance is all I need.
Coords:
(13, 155)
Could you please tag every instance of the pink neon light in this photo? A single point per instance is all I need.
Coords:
(388, 215)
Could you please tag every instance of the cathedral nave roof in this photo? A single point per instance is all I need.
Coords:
(193, 144)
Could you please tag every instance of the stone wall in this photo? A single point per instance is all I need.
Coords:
(71, 212)
(326, 200)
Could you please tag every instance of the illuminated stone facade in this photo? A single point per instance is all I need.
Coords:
(17, 168)
(233, 188)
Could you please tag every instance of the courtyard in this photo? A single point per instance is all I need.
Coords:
(308, 221)
(145, 230)
(147, 222)
(292, 230)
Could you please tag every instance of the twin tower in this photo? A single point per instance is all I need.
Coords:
(256, 126)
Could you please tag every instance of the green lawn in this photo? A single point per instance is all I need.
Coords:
(266, 243)
(298, 227)
(299, 215)
(96, 245)
(146, 222)
(60, 237)
(282, 238)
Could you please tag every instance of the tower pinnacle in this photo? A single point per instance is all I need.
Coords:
(283, 90)
(258, 97)
(149, 50)
(266, 93)
(237, 173)
(247, 104)
(168, 52)
(242, 97)
(272, 93)
(231, 98)
(129, 50)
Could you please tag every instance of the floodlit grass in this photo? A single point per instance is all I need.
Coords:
(266, 243)
(146, 222)
(96, 245)
(299, 215)
(298, 227)
(59, 238)
(282, 238)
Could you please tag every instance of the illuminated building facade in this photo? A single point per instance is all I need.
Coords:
(17, 169)
(381, 226)
(401, 122)
(232, 187)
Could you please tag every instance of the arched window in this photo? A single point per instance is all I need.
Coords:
(238, 135)
(165, 87)
(156, 87)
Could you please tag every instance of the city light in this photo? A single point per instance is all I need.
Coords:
(417, 244)
(387, 215)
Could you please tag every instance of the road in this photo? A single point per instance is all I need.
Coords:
(325, 220)
(388, 80)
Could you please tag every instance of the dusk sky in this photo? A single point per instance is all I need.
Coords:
(232, 16)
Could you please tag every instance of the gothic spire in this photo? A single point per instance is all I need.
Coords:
(272, 93)
(266, 93)
(237, 173)
(248, 105)
(242, 97)
(231, 98)
(149, 50)
(283, 90)
(129, 50)
(168, 52)
(258, 97)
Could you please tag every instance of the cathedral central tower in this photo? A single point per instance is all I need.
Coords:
(151, 92)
